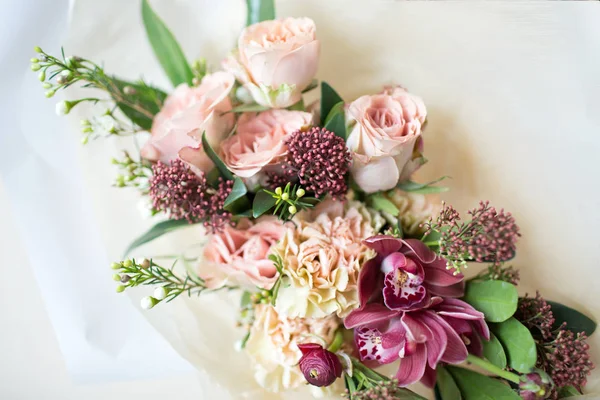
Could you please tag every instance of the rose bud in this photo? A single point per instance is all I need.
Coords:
(319, 366)
(535, 385)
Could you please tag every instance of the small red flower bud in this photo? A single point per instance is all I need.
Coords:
(319, 366)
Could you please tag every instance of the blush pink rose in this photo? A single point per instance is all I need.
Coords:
(276, 60)
(240, 254)
(187, 112)
(385, 138)
(260, 140)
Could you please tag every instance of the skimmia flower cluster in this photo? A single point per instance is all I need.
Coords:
(343, 262)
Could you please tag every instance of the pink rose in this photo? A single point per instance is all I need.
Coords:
(240, 254)
(260, 140)
(187, 112)
(385, 138)
(276, 60)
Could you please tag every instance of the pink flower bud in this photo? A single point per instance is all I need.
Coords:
(319, 366)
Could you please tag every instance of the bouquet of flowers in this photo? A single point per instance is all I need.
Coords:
(343, 263)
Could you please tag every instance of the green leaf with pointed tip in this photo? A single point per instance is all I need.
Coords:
(166, 48)
(263, 202)
(381, 203)
(496, 299)
(237, 202)
(423, 188)
(225, 173)
(474, 386)
(157, 231)
(446, 387)
(518, 344)
(260, 10)
(567, 391)
(336, 122)
(494, 352)
(329, 98)
(147, 97)
(576, 321)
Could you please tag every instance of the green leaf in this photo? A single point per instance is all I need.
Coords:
(335, 121)
(329, 98)
(474, 386)
(447, 388)
(166, 48)
(567, 391)
(260, 10)
(249, 108)
(246, 300)
(518, 344)
(576, 321)
(297, 106)
(238, 191)
(313, 84)
(423, 188)
(263, 202)
(147, 97)
(496, 299)
(380, 203)
(225, 173)
(494, 352)
(157, 231)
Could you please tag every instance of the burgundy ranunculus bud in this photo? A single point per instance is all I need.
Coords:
(535, 385)
(319, 366)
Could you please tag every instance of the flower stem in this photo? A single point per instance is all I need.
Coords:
(337, 341)
(488, 366)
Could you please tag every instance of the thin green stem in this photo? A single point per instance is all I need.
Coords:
(488, 366)
(337, 341)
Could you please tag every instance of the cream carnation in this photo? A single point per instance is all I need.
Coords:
(273, 346)
(414, 210)
(322, 257)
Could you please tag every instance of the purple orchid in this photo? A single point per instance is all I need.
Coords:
(407, 311)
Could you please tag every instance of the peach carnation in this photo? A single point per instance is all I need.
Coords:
(414, 210)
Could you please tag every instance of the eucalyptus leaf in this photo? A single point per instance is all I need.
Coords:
(166, 48)
(329, 98)
(446, 387)
(380, 203)
(260, 10)
(498, 300)
(423, 188)
(518, 344)
(263, 202)
(157, 231)
(576, 321)
(336, 122)
(147, 97)
(494, 352)
(225, 173)
(474, 386)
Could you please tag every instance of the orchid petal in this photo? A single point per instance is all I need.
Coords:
(412, 367)
(368, 280)
(419, 249)
(370, 314)
(437, 274)
(456, 351)
(456, 290)
(429, 377)
(437, 343)
(383, 245)
(416, 329)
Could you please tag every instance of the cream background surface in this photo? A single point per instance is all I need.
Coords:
(513, 94)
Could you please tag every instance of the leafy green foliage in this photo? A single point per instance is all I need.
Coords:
(567, 391)
(260, 10)
(290, 200)
(253, 107)
(329, 98)
(576, 321)
(423, 188)
(157, 231)
(263, 202)
(474, 386)
(494, 352)
(165, 47)
(335, 121)
(446, 386)
(225, 173)
(498, 300)
(518, 343)
(142, 96)
(237, 202)
(381, 203)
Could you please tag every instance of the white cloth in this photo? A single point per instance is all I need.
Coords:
(512, 91)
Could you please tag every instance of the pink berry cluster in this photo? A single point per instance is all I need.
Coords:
(536, 313)
(176, 190)
(384, 390)
(320, 160)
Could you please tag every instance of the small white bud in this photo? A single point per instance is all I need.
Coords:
(244, 95)
(285, 196)
(42, 76)
(37, 49)
(148, 302)
(49, 93)
(160, 293)
(63, 108)
(292, 209)
(35, 67)
(300, 192)
(47, 85)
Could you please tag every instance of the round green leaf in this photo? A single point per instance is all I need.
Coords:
(474, 386)
(494, 352)
(445, 385)
(518, 344)
(496, 299)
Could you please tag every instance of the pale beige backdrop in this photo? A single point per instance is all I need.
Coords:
(512, 91)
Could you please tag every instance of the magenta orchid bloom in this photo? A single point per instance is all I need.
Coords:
(408, 311)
